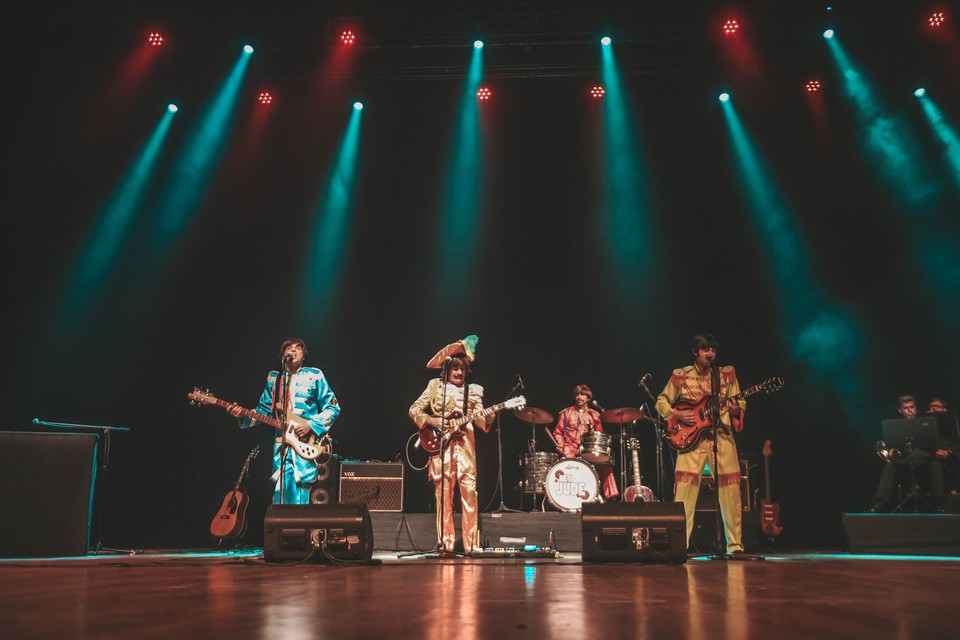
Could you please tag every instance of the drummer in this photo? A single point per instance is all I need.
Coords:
(572, 424)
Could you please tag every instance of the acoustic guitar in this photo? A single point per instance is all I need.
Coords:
(684, 437)
(231, 521)
(311, 448)
(770, 511)
(637, 492)
(431, 438)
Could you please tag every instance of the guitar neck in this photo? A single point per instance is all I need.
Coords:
(250, 413)
(766, 476)
(489, 411)
(636, 467)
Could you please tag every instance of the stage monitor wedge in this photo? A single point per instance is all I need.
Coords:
(317, 533)
(653, 532)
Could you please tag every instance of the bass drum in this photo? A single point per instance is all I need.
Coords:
(595, 447)
(535, 469)
(570, 483)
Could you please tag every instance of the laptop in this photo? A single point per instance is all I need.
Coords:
(921, 432)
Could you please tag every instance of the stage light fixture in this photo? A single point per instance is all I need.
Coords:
(730, 27)
(358, 105)
(828, 34)
(724, 97)
(155, 39)
(920, 92)
(478, 44)
(265, 98)
(247, 49)
(347, 37)
(597, 92)
(172, 108)
(937, 19)
(605, 41)
(483, 93)
(813, 86)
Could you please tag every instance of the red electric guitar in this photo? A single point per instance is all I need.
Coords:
(684, 437)
(637, 492)
(431, 437)
(231, 521)
(770, 511)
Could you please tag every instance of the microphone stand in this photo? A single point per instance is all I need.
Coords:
(284, 394)
(658, 439)
(503, 508)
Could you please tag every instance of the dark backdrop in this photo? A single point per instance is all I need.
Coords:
(541, 296)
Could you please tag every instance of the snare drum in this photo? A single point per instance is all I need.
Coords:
(570, 483)
(535, 469)
(595, 447)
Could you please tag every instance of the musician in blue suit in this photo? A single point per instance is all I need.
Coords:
(310, 398)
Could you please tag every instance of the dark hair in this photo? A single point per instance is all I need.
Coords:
(905, 399)
(459, 362)
(582, 388)
(704, 341)
(291, 341)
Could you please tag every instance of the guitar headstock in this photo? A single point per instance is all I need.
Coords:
(773, 384)
(633, 444)
(255, 451)
(515, 403)
(200, 397)
(767, 449)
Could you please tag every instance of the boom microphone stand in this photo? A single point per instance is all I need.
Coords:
(503, 508)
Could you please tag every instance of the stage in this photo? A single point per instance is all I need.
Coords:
(155, 594)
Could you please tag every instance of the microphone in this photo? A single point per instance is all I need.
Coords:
(288, 357)
(596, 405)
(643, 383)
(520, 383)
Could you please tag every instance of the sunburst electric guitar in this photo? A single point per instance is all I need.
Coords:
(770, 510)
(431, 438)
(311, 448)
(683, 437)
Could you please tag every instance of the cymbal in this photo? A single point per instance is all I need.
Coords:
(623, 414)
(533, 415)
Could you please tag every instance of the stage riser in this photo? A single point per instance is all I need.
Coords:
(907, 534)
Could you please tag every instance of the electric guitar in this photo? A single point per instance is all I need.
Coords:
(770, 511)
(637, 492)
(684, 437)
(311, 448)
(231, 521)
(431, 438)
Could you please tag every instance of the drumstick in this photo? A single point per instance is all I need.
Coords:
(550, 433)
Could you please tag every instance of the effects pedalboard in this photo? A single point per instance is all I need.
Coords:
(526, 551)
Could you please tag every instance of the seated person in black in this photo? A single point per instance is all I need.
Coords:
(914, 465)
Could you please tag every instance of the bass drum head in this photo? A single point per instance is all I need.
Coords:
(570, 483)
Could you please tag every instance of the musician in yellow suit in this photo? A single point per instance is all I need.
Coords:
(446, 397)
(690, 385)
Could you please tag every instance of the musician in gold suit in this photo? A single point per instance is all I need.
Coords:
(690, 385)
(446, 397)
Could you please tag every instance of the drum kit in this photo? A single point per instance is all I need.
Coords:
(568, 483)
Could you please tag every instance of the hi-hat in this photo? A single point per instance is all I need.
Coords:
(533, 415)
(623, 414)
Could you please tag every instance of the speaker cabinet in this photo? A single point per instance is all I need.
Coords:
(46, 489)
(326, 489)
(317, 533)
(378, 485)
(652, 532)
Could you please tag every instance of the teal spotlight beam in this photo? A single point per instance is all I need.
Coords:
(625, 223)
(199, 159)
(330, 238)
(114, 223)
(946, 133)
(820, 334)
(459, 227)
(885, 138)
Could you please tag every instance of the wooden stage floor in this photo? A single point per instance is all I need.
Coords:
(236, 595)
